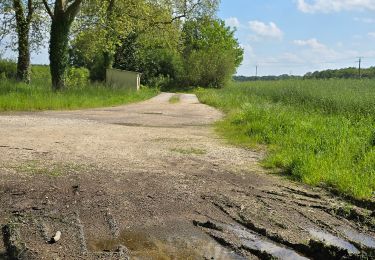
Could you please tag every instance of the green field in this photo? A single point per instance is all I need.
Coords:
(321, 132)
(15, 96)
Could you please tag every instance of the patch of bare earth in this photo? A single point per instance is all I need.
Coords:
(153, 181)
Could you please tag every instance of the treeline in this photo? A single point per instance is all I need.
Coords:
(265, 78)
(172, 43)
(346, 73)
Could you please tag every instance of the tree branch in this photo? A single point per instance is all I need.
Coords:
(49, 11)
(30, 13)
(73, 9)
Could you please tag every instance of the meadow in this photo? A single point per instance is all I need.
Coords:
(16, 96)
(320, 132)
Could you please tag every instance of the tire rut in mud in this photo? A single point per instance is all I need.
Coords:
(308, 229)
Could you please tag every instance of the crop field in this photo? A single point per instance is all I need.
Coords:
(321, 132)
(16, 96)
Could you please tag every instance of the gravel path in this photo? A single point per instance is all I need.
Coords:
(153, 181)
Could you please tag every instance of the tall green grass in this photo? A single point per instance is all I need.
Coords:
(318, 132)
(15, 96)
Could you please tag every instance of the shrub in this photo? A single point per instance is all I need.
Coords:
(77, 78)
(211, 68)
(8, 69)
(211, 53)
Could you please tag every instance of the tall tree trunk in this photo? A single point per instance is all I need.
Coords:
(108, 56)
(23, 64)
(23, 28)
(62, 17)
(59, 50)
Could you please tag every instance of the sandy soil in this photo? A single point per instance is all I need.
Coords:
(153, 181)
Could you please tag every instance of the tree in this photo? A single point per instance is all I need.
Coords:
(211, 52)
(106, 24)
(23, 20)
(158, 62)
(62, 17)
(114, 21)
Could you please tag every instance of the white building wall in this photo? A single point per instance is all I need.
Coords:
(123, 79)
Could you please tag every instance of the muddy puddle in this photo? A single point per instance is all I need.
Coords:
(254, 242)
(143, 245)
(332, 240)
(359, 238)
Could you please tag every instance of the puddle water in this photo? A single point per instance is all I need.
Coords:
(257, 243)
(359, 238)
(332, 240)
(144, 246)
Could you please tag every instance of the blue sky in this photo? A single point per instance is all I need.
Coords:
(297, 36)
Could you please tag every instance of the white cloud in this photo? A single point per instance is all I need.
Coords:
(365, 20)
(266, 30)
(371, 35)
(316, 52)
(233, 22)
(312, 43)
(328, 6)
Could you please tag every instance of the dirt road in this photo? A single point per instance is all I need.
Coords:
(153, 181)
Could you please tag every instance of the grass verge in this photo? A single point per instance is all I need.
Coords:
(15, 96)
(319, 132)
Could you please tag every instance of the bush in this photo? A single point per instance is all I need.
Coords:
(77, 78)
(211, 68)
(8, 69)
(211, 53)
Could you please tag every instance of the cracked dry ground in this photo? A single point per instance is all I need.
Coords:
(153, 181)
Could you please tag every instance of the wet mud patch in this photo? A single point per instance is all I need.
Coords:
(305, 231)
(141, 244)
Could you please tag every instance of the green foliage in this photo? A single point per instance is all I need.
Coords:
(152, 40)
(159, 66)
(8, 69)
(211, 53)
(77, 78)
(125, 32)
(318, 132)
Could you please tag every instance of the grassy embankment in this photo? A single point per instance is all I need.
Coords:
(318, 132)
(16, 96)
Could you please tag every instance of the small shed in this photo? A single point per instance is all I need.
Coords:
(123, 79)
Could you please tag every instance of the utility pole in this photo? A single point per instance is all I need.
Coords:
(256, 70)
(359, 67)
